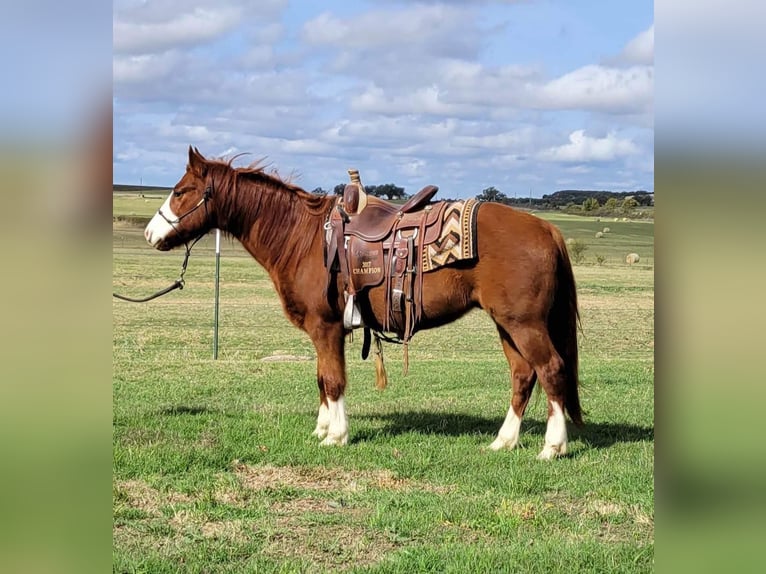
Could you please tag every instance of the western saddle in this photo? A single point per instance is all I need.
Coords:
(371, 242)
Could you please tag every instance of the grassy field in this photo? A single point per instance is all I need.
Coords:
(215, 469)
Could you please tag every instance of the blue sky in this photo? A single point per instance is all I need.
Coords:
(527, 96)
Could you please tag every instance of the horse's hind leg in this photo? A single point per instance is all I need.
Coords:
(534, 344)
(522, 382)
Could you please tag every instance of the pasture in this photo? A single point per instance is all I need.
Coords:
(215, 469)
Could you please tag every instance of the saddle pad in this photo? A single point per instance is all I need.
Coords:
(458, 236)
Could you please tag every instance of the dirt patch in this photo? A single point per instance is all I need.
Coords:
(326, 479)
(524, 510)
(323, 531)
(304, 505)
(187, 522)
(602, 508)
(619, 522)
(164, 533)
(139, 495)
(231, 530)
(329, 547)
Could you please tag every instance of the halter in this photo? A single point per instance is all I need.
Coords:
(202, 202)
(179, 283)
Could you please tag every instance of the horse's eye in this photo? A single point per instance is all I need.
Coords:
(177, 193)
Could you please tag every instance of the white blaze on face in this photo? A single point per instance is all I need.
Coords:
(158, 229)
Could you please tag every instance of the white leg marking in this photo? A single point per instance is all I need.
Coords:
(555, 434)
(337, 432)
(508, 436)
(157, 229)
(323, 422)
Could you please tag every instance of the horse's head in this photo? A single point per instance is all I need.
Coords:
(186, 213)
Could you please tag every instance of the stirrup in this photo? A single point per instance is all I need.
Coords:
(352, 316)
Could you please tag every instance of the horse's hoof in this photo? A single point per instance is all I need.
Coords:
(320, 433)
(551, 451)
(334, 441)
(501, 444)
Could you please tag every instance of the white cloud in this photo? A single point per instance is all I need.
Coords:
(428, 27)
(602, 89)
(515, 140)
(413, 168)
(426, 100)
(579, 169)
(397, 48)
(640, 50)
(618, 185)
(327, 29)
(145, 68)
(583, 148)
(306, 147)
(388, 130)
(184, 29)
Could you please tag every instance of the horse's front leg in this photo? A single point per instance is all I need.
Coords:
(332, 425)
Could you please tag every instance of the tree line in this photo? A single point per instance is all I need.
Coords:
(587, 200)
(386, 191)
(571, 200)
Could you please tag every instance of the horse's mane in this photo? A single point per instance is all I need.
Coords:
(257, 171)
(286, 213)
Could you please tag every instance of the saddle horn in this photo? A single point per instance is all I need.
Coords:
(354, 196)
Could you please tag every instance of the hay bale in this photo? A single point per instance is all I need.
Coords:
(570, 241)
(607, 230)
(617, 219)
(599, 234)
(632, 258)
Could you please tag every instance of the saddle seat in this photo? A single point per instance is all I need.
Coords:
(379, 217)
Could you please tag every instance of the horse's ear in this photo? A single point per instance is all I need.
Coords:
(197, 163)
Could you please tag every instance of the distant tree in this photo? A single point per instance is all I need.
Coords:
(590, 204)
(387, 190)
(319, 191)
(492, 194)
(577, 248)
(338, 189)
(611, 204)
(628, 204)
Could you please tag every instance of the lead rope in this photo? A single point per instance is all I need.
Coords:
(178, 284)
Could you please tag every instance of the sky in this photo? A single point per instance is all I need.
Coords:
(528, 96)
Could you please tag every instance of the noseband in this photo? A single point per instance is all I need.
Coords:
(202, 202)
(179, 283)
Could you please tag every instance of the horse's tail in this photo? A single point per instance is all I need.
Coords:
(563, 323)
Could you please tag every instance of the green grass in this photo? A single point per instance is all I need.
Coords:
(215, 469)
(137, 205)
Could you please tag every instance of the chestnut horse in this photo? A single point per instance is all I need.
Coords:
(521, 277)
